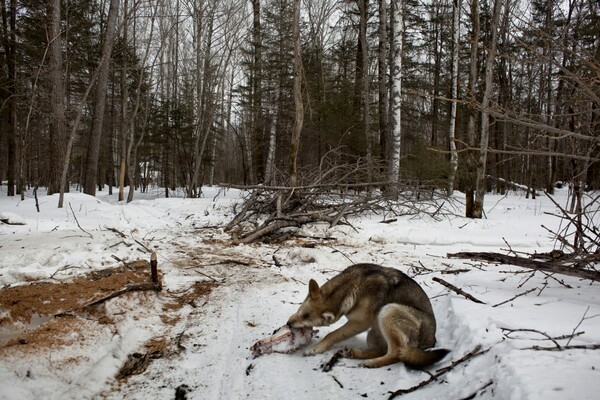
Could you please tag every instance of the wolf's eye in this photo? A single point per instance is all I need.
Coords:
(305, 315)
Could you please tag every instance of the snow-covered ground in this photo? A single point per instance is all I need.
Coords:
(260, 286)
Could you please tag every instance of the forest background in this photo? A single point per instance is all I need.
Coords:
(432, 94)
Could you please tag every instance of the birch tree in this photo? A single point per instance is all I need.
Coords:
(456, 6)
(396, 94)
(382, 72)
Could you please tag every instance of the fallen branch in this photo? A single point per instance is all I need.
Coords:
(572, 347)
(128, 289)
(514, 297)
(76, 220)
(457, 290)
(328, 366)
(547, 266)
(473, 353)
(473, 395)
(155, 285)
(337, 381)
(116, 231)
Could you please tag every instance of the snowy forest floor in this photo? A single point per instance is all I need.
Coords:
(192, 339)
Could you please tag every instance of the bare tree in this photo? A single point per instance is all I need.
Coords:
(363, 6)
(473, 77)
(299, 107)
(480, 183)
(139, 113)
(91, 174)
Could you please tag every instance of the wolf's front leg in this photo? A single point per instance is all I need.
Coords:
(349, 329)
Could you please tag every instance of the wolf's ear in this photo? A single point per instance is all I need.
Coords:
(328, 317)
(313, 290)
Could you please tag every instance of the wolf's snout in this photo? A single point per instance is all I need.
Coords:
(294, 321)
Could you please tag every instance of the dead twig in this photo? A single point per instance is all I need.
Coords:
(115, 230)
(337, 381)
(457, 290)
(481, 389)
(76, 220)
(514, 297)
(583, 318)
(205, 275)
(477, 351)
(332, 361)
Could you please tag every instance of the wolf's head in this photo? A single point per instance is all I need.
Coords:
(313, 311)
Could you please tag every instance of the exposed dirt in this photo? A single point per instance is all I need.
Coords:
(40, 316)
(49, 298)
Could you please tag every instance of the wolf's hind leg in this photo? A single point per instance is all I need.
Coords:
(399, 327)
(376, 346)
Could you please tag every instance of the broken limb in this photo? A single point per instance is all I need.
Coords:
(155, 285)
(514, 297)
(332, 361)
(473, 353)
(130, 288)
(547, 266)
(481, 389)
(457, 290)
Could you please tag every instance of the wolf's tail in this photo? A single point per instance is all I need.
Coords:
(418, 358)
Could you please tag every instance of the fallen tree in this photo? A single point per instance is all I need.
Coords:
(554, 262)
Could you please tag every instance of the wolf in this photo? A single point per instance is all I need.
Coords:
(385, 301)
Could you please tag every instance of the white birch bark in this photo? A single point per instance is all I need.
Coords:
(272, 145)
(396, 91)
(452, 131)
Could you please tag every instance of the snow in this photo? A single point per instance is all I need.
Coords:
(255, 295)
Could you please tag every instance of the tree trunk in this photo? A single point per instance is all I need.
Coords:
(206, 110)
(124, 98)
(57, 98)
(91, 172)
(471, 139)
(382, 68)
(396, 93)
(270, 165)
(9, 44)
(299, 107)
(454, 94)
(258, 153)
(364, 5)
(480, 183)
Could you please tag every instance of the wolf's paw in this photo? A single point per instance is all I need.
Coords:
(367, 364)
(314, 350)
(347, 352)
(310, 352)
